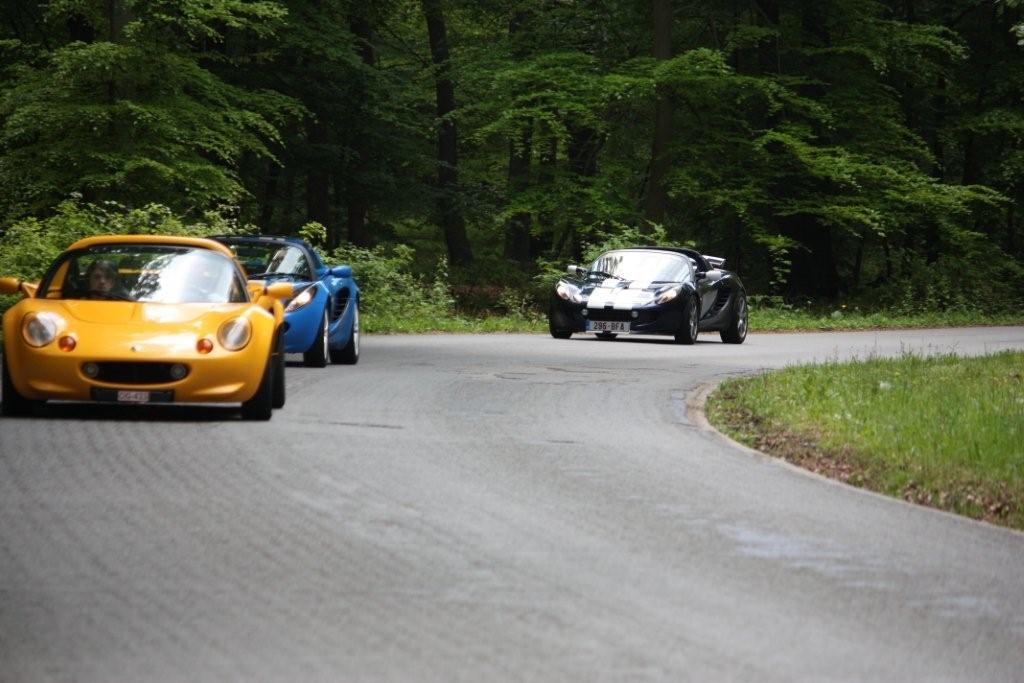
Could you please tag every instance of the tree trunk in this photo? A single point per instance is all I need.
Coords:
(517, 230)
(356, 202)
(318, 202)
(520, 154)
(584, 144)
(269, 197)
(768, 51)
(117, 18)
(449, 214)
(814, 273)
(1011, 231)
(544, 241)
(318, 183)
(656, 201)
(858, 263)
(735, 262)
(355, 221)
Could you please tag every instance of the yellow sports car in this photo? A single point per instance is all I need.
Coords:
(144, 319)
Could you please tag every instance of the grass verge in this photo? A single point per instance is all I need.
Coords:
(764, 319)
(761, 320)
(385, 323)
(947, 432)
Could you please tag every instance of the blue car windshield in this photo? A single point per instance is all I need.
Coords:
(651, 266)
(272, 260)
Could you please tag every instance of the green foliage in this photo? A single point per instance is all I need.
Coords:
(314, 233)
(30, 245)
(390, 294)
(946, 431)
(850, 151)
(136, 117)
(952, 284)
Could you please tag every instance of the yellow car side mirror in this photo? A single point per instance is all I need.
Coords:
(271, 296)
(281, 290)
(10, 285)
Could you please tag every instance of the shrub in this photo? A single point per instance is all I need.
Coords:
(29, 246)
(389, 291)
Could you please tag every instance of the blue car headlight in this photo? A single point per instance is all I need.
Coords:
(304, 297)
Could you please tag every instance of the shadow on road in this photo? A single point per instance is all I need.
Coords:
(668, 341)
(137, 413)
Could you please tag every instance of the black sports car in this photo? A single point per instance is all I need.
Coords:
(650, 290)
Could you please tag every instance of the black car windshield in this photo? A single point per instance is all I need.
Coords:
(652, 266)
(149, 273)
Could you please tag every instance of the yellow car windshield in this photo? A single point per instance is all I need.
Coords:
(145, 273)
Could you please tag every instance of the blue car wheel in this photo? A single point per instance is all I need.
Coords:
(316, 356)
(349, 354)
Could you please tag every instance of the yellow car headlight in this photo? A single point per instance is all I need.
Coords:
(234, 334)
(39, 329)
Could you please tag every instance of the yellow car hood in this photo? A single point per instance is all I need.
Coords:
(125, 312)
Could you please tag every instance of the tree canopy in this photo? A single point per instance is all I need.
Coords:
(826, 149)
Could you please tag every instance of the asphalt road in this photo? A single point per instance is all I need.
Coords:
(487, 508)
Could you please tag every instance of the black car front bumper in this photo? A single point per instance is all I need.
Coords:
(652, 319)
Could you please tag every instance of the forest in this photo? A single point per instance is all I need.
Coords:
(837, 150)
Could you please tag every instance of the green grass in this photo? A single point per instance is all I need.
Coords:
(385, 323)
(761, 320)
(525, 318)
(764, 319)
(944, 431)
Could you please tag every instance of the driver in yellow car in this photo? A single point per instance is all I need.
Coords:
(101, 277)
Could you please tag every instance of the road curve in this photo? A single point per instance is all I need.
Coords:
(487, 508)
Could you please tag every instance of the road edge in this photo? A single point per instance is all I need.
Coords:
(697, 398)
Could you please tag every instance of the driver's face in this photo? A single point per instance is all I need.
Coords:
(100, 281)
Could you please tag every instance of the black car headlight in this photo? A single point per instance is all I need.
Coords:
(566, 291)
(667, 295)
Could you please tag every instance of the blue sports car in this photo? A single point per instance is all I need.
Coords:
(321, 320)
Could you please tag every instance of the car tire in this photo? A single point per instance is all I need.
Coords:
(12, 403)
(606, 336)
(260, 406)
(687, 333)
(557, 331)
(278, 398)
(316, 355)
(736, 332)
(349, 354)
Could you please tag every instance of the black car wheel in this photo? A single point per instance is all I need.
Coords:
(606, 336)
(316, 356)
(687, 333)
(14, 403)
(557, 324)
(737, 330)
(349, 354)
